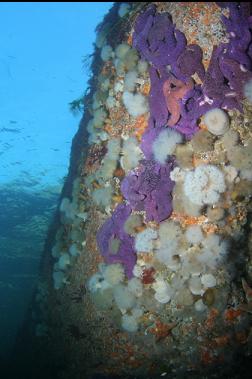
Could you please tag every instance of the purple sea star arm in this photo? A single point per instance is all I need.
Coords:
(189, 62)
(157, 103)
(148, 138)
(113, 229)
(156, 38)
(238, 25)
(236, 75)
(154, 183)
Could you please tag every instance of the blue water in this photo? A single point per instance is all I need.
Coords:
(42, 48)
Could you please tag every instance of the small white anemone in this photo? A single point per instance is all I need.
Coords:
(144, 240)
(216, 121)
(114, 148)
(170, 235)
(110, 102)
(208, 280)
(177, 174)
(165, 144)
(136, 104)
(97, 283)
(64, 261)
(129, 323)
(130, 81)
(114, 273)
(106, 53)
(135, 286)
(214, 251)
(73, 250)
(142, 66)
(137, 271)
(58, 279)
(195, 285)
(194, 234)
(121, 50)
(131, 154)
(123, 297)
(200, 306)
(163, 291)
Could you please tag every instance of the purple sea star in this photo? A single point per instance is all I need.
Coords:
(149, 188)
(156, 38)
(113, 230)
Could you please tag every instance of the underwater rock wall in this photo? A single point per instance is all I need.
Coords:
(151, 262)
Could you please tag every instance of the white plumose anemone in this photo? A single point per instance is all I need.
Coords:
(204, 184)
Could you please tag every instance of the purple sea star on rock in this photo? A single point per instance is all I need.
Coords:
(157, 103)
(112, 233)
(216, 87)
(158, 109)
(238, 26)
(149, 188)
(191, 112)
(236, 74)
(189, 62)
(156, 38)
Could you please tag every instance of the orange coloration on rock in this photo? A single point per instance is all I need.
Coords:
(196, 161)
(188, 220)
(109, 129)
(202, 126)
(231, 314)
(161, 330)
(129, 40)
(211, 318)
(210, 228)
(146, 89)
(221, 341)
(139, 228)
(140, 126)
(117, 198)
(207, 357)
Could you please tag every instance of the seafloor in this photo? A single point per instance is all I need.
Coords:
(148, 264)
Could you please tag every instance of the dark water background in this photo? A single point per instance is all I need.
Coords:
(24, 219)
